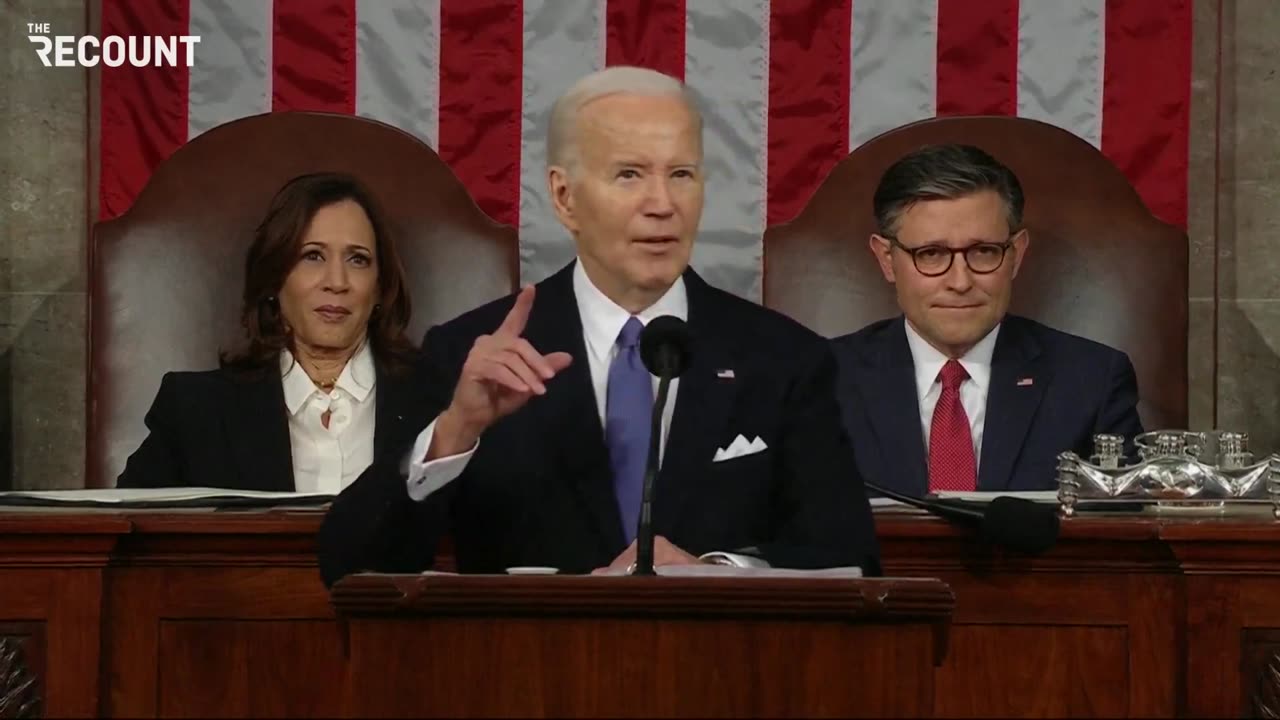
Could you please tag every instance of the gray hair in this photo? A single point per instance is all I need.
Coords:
(619, 79)
(944, 172)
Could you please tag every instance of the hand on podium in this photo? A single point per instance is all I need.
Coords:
(664, 553)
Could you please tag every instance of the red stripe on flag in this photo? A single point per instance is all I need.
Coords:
(1146, 98)
(313, 55)
(144, 110)
(481, 51)
(808, 100)
(648, 33)
(977, 57)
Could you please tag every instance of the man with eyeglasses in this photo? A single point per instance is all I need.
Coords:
(955, 394)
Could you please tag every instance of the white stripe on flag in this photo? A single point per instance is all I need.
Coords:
(563, 41)
(893, 78)
(727, 70)
(231, 75)
(1060, 56)
(398, 64)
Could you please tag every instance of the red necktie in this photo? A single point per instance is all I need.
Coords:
(951, 463)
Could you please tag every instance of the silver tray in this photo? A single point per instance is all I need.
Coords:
(1173, 469)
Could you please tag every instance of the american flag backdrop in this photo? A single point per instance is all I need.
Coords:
(787, 88)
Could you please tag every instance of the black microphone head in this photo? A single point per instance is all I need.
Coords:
(666, 347)
(1020, 524)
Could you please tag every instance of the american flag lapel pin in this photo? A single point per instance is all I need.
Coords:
(1025, 382)
(725, 374)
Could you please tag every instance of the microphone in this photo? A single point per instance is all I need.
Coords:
(1012, 523)
(665, 349)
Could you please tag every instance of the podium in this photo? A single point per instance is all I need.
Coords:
(610, 646)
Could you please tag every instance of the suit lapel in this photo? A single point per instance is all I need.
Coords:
(703, 401)
(1018, 380)
(890, 394)
(567, 415)
(257, 428)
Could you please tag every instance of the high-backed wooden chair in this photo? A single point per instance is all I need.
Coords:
(166, 277)
(1099, 264)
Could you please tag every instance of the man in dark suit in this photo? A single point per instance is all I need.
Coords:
(537, 454)
(955, 394)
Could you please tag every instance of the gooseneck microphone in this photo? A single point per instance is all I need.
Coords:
(1009, 522)
(665, 349)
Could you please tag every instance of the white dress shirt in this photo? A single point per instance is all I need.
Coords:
(928, 362)
(602, 321)
(326, 460)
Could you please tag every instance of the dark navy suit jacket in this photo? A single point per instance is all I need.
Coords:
(1050, 392)
(215, 429)
(538, 490)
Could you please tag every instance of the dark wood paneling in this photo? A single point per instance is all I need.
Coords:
(259, 668)
(1060, 671)
(1213, 656)
(864, 600)
(56, 612)
(1194, 599)
(634, 646)
(638, 668)
(143, 598)
(1157, 644)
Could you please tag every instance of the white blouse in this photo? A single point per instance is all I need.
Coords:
(326, 460)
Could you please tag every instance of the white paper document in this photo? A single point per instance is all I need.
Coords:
(155, 496)
(708, 570)
(1036, 495)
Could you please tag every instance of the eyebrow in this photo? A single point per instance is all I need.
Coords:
(971, 242)
(349, 247)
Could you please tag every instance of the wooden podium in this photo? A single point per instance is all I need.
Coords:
(573, 646)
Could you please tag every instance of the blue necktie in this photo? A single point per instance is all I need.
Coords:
(628, 408)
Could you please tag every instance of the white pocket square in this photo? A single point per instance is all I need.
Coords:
(738, 448)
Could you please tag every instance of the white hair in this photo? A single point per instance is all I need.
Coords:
(615, 80)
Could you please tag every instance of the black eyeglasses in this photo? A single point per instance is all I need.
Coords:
(934, 260)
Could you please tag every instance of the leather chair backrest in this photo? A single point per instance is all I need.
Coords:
(1099, 264)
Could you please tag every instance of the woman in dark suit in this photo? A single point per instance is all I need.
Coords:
(324, 380)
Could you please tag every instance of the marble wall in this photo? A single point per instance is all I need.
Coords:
(44, 211)
(45, 127)
(1245, 234)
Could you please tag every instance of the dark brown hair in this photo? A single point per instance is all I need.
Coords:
(943, 172)
(276, 249)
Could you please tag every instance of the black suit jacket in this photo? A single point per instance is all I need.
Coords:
(538, 490)
(1050, 392)
(215, 429)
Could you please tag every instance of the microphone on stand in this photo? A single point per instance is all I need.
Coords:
(1009, 522)
(665, 350)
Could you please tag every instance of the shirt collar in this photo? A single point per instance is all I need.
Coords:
(357, 379)
(602, 318)
(928, 360)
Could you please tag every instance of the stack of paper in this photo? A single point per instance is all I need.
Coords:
(197, 497)
(708, 570)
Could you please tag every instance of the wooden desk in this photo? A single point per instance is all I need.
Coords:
(180, 614)
(224, 613)
(1125, 616)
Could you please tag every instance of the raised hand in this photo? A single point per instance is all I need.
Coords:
(501, 373)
